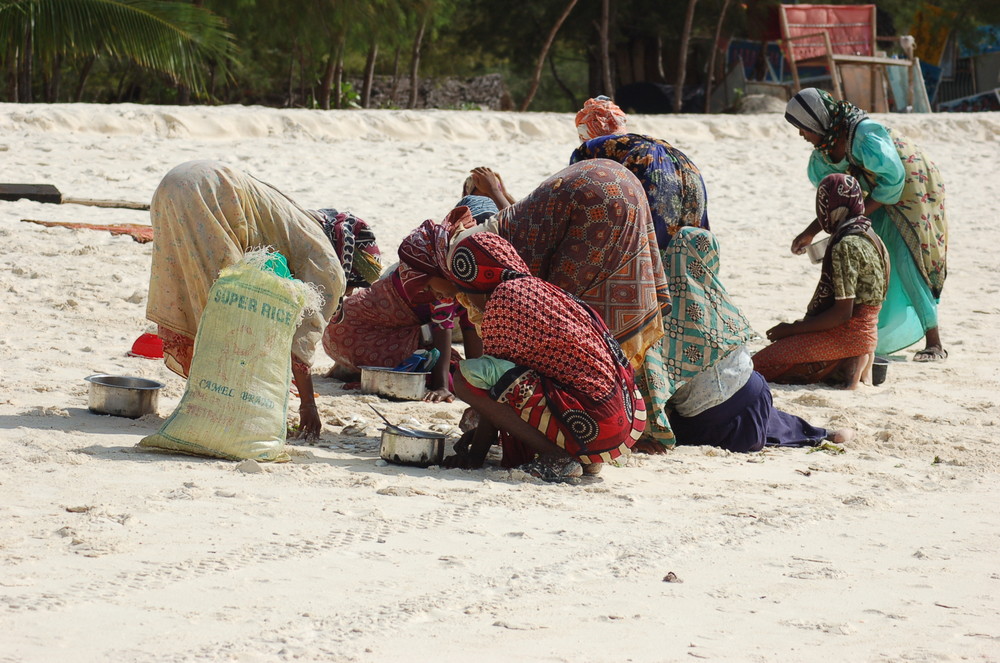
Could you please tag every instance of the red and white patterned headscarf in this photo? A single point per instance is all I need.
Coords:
(482, 261)
(600, 117)
(426, 249)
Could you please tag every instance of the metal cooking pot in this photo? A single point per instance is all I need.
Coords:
(122, 395)
(406, 446)
(394, 384)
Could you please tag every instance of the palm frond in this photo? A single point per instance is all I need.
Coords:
(175, 38)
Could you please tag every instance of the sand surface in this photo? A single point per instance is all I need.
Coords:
(887, 552)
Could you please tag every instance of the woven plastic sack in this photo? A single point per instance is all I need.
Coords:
(236, 401)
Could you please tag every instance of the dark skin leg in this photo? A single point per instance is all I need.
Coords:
(933, 339)
(495, 417)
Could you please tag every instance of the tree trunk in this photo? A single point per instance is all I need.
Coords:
(84, 73)
(536, 78)
(303, 97)
(52, 81)
(415, 60)
(711, 58)
(605, 38)
(291, 78)
(395, 78)
(562, 85)
(326, 83)
(366, 86)
(24, 82)
(338, 71)
(682, 59)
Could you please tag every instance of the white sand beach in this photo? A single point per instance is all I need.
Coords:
(886, 552)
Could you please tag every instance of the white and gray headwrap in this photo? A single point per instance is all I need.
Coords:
(809, 111)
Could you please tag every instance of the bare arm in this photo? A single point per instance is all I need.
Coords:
(834, 316)
(310, 425)
(805, 238)
(441, 339)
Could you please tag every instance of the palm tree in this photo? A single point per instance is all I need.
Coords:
(173, 38)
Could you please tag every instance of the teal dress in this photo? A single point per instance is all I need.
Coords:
(910, 223)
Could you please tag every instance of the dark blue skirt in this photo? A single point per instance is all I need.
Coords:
(746, 422)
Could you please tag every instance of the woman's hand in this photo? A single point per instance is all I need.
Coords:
(805, 238)
(310, 425)
(651, 447)
(439, 395)
(486, 179)
(781, 330)
(487, 182)
(802, 242)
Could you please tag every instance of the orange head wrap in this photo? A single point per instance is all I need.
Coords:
(600, 116)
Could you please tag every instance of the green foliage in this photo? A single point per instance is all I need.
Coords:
(172, 38)
(292, 52)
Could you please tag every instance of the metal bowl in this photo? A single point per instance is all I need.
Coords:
(394, 384)
(405, 446)
(817, 250)
(122, 395)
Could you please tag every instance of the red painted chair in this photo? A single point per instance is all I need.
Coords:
(842, 39)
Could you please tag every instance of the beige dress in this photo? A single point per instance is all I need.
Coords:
(206, 216)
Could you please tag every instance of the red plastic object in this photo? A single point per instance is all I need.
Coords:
(148, 346)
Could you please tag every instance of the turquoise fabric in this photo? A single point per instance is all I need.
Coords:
(484, 372)
(873, 146)
(909, 309)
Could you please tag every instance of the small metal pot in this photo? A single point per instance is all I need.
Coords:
(395, 384)
(404, 446)
(122, 395)
(817, 250)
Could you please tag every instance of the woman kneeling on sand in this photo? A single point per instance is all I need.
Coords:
(381, 325)
(553, 382)
(720, 400)
(836, 339)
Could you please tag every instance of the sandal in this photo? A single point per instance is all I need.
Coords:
(933, 353)
(554, 470)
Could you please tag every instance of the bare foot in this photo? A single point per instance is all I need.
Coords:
(344, 373)
(841, 435)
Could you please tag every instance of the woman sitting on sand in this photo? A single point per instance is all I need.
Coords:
(553, 382)
(720, 400)
(673, 184)
(587, 231)
(205, 217)
(381, 325)
(836, 340)
(905, 203)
